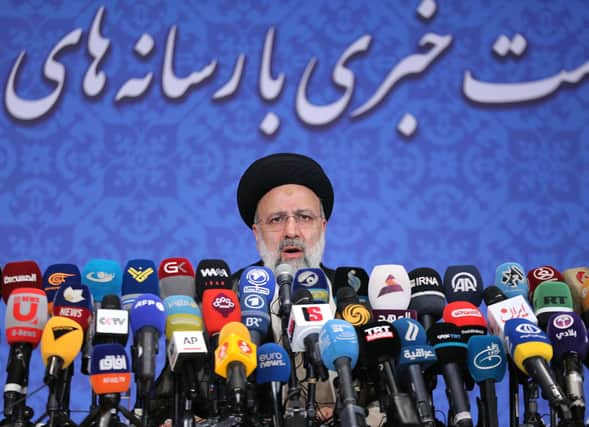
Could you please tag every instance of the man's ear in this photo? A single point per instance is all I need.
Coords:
(256, 232)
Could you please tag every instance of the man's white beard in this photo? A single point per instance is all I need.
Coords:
(311, 259)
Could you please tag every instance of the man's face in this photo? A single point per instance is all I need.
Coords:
(298, 241)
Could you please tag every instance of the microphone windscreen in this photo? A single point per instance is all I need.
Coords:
(20, 274)
(111, 301)
(575, 278)
(550, 298)
(218, 308)
(236, 328)
(148, 311)
(211, 274)
(234, 348)
(302, 296)
(463, 283)
(176, 277)
(427, 294)
(58, 275)
(273, 364)
(410, 332)
(378, 342)
(257, 280)
(446, 339)
(255, 312)
(493, 295)
(62, 337)
(568, 334)
(352, 277)
(74, 302)
(338, 339)
(467, 317)
(539, 275)
(103, 277)
(109, 369)
(511, 279)
(486, 358)
(25, 316)
(314, 280)
(139, 277)
(182, 314)
(523, 340)
(389, 287)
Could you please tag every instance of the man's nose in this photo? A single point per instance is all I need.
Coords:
(291, 227)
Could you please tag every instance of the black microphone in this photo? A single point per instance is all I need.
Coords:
(427, 295)
(451, 352)
(284, 277)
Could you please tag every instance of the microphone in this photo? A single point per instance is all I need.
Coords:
(187, 353)
(568, 335)
(338, 344)
(20, 274)
(56, 276)
(258, 280)
(211, 274)
(487, 364)
(350, 308)
(256, 290)
(274, 368)
(139, 278)
(378, 346)
(147, 322)
(103, 277)
(511, 280)
(109, 377)
(467, 317)
(550, 298)
(414, 357)
(109, 372)
(255, 314)
(219, 307)
(314, 280)
(451, 352)
(575, 278)
(235, 360)
(176, 277)
(74, 302)
(530, 351)
(25, 318)
(427, 295)
(539, 275)
(61, 342)
(352, 277)
(389, 292)
(501, 309)
(111, 322)
(463, 283)
(284, 279)
(182, 314)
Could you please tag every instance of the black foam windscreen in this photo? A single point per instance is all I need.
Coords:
(446, 339)
(302, 296)
(427, 294)
(378, 342)
(492, 295)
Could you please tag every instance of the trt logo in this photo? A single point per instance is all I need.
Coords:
(175, 267)
(312, 314)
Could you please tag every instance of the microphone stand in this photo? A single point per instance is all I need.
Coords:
(108, 405)
(56, 379)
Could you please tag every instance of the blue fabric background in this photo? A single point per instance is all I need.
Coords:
(154, 177)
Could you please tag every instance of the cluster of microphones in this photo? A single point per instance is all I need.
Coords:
(255, 350)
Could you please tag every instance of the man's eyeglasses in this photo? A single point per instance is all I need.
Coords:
(277, 222)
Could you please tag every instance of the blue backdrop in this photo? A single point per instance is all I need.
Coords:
(126, 127)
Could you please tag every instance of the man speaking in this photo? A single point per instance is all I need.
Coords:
(286, 199)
